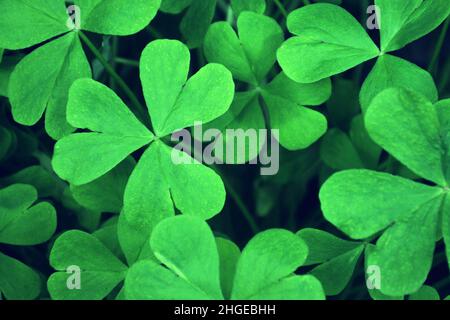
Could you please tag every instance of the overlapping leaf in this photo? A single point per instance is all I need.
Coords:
(335, 258)
(22, 223)
(187, 248)
(250, 56)
(49, 71)
(328, 40)
(362, 203)
(158, 181)
(402, 22)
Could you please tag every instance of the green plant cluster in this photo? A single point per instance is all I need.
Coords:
(92, 90)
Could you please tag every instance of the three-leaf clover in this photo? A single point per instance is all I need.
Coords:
(22, 224)
(42, 79)
(158, 182)
(329, 40)
(410, 215)
(189, 266)
(250, 56)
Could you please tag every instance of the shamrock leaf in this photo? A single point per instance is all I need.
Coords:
(43, 180)
(343, 104)
(107, 17)
(250, 57)
(17, 280)
(22, 224)
(174, 102)
(238, 6)
(156, 183)
(37, 21)
(99, 270)
(265, 269)
(341, 151)
(425, 293)
(187, 248)
(41, 81)
(319, 50)
(390, 71)
(335, 258)
(174, 6)
(7, 65)
(117, 133)
(229, 254)
(105, 194)
(328, 41)
(362, 203)
(403, 21)
(90, 266)
(196, 20)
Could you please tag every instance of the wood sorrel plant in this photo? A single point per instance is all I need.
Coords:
(92, 205)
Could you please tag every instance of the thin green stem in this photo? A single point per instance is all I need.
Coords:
(437, 50)
(281, 8)
(115, 47)
(138, 108)
(127, 62)
(241, 205)
(230, 15)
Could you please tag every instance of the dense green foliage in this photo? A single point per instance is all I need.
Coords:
(94, 206)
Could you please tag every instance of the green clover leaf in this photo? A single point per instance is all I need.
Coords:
(37, 176)
(22, 224)
(105, 194)
(335, 258)
(7, 65)
(239, 6)
(99, 259)
(250, 56)
(356, 149)
(41, 81)
(363, 203)
(328, 40)
(402, 22)
(390, 71)
(196, 20)
(186, 246)
(100, 270)
(108, 16)
(425, 293)
(229, 254)
(156, 183)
